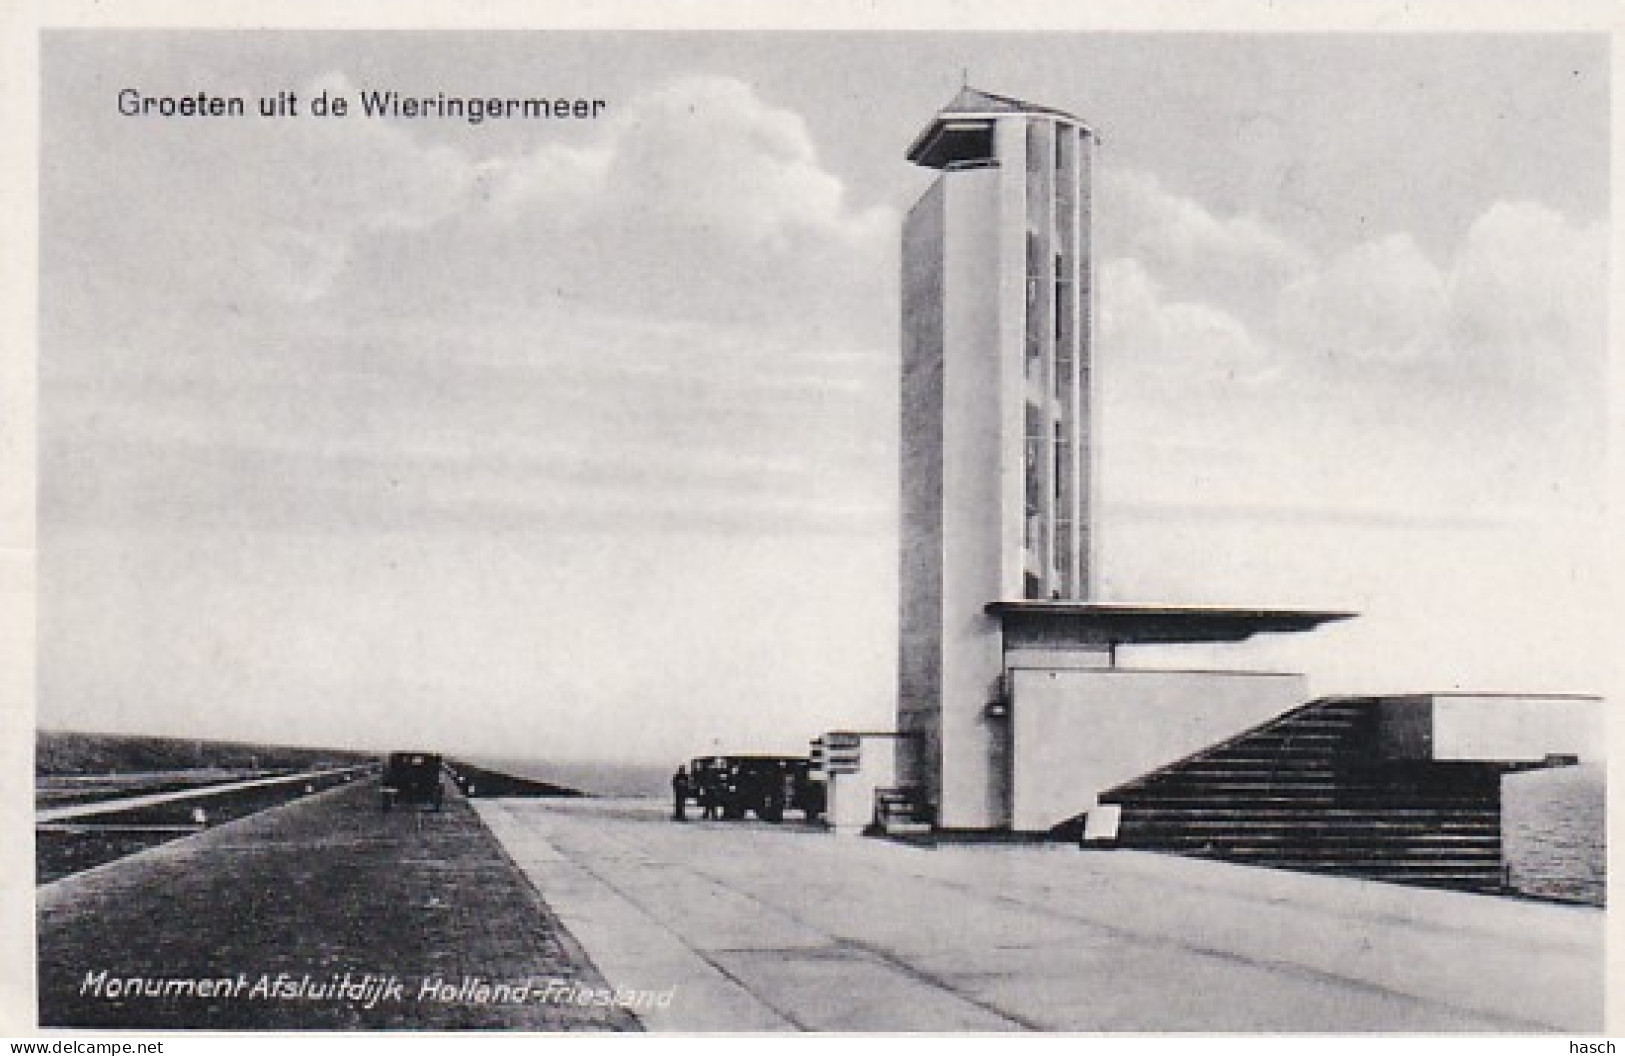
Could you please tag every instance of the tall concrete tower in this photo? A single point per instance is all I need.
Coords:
(999, 567)
(999, 294)
(997, 397)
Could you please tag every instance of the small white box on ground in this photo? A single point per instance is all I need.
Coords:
(1100, 824)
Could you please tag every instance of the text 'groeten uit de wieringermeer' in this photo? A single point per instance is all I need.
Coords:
(374, 103)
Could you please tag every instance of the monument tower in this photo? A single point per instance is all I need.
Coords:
(1011, 704)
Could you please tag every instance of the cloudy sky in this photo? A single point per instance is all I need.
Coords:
(578, 439)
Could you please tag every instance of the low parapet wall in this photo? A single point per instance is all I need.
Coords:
(1489, 727)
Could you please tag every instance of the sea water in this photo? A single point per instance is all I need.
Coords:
(1554, 832)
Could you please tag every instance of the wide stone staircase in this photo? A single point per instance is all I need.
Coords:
(1310, 790)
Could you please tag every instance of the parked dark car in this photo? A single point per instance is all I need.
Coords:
(412, 777)
(765, 785)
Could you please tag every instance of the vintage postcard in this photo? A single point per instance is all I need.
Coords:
(816, 526)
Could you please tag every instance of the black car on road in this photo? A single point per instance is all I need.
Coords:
(412, 777)
(764, 785)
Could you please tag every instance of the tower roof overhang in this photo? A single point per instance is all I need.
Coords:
(962, 131)
(952, 143)
(1130, 624)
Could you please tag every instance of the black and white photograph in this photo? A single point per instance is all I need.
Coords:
(739, 530)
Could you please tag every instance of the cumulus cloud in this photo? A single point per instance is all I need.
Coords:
(1521, 301)
(1522, 295)
(1382, 299)
(1465, 379)
(703, 155)
(697, 201)
(1528, 292)
(1194, 253)
(677, 311)
(1144, 329)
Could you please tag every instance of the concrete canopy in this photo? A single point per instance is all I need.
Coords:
(1129, 624)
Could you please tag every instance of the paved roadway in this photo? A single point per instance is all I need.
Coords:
(786, 928)
(325, 885)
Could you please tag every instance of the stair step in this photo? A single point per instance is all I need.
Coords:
(1303, 814)
(1306, 738)
(1211, 825)
(1224, 784)
(1214, 827)
(1319, 720)
(1241, 769)
(1355, 864)
(1411, 869)
(1275, 832)
(1322, 796)
(1264, 798)
(1280, 848)
(1242, 783)
(1334, 731)
(1469, 880)
(1307, 792)
(1402, 867)
(1294, 808)
(1297, 810)
(1267, 759)
(1300, 798)
(1408, 870)
(1488, 868)
(1264, 753)
(1363, 837)
(1300, 810)
(1357, 837)
(1280, 748)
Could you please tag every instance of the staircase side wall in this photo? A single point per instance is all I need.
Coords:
(1077, 733)
(1490, 727)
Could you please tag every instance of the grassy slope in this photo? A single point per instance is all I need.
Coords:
(57, 752)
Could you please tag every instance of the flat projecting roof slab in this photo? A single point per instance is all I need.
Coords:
(962, 131)
(1126, 624)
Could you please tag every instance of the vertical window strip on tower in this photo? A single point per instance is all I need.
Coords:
(1040, 360)
(1069, 513)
